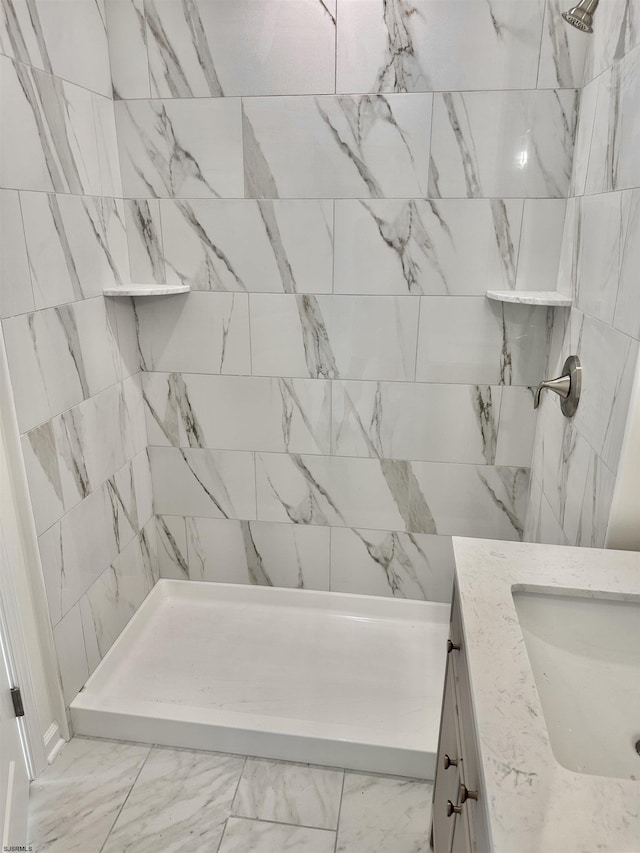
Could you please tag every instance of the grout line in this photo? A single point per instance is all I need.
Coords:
(335, 846)
(224, 829)
(235, 793)
(545, 11)
(126, 798)
(281, 823)
(415, 362)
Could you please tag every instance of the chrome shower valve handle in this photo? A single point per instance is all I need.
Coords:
(567, 386)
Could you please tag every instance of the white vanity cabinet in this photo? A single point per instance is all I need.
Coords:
(458, 821)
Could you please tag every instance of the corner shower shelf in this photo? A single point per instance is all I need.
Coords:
(147, 289)
(531, 297)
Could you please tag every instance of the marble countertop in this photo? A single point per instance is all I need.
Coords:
(534, 804)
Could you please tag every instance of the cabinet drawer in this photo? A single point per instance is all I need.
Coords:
(447, 777)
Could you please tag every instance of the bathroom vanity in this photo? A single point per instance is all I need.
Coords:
(538, 748)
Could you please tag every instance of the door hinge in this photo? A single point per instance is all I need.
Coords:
(16, 698)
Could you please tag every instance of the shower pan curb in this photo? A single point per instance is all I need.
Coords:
(324, 678)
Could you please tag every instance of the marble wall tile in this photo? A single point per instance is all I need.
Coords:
(540, 244)
(42, 464)
(195, 333)
(379, 814)
(76, 246)
(568, 262)
(627, 312)
(141, 473)
(399, 420)
(284, 555)
(562, 51)
(173, 792)
(59, 357)
(465, 500)
(237, 413)
(72, 657)
(419, 497)
(127, 36)
(123, 498)
(16, 296)
(358, 337)
(453, 246)
(180, 148)
(50, 142)
(205, 244)
(173, 558)
(517, 427)
(74, 40)
(203, 483)
(89, 782)
(532, 521)
(89, 635)
(613, 159)
(114, 597)
(144, 235)
(535, 130)
(582, 148)
(260, 836)
(380, 562)
(576, 484)
(51, 558)
(474, 340)
(240, 47)
(609, 360)
(108, 158)
(331, 147)
(618, 31)
(289, 793)
(93, 440)
(21, 35)
(65, 38)
(426, 45)
(600, 238)
(80, 547)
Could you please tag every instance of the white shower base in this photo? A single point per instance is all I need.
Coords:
(321, 677)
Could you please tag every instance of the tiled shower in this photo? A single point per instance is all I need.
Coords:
(339, 182)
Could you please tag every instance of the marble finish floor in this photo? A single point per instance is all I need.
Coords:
(103, 796)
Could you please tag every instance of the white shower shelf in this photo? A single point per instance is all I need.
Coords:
(147, 289)
(531, 297)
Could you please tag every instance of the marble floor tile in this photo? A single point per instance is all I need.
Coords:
(241, 836)
(73, 805)
(180, 801)
(289, 793)
(380, 815)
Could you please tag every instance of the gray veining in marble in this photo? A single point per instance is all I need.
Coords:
(348, 145)
(537, 130)
(88, 784)
(383, 814)
(170, 799)
(289, 793)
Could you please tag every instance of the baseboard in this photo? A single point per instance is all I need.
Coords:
(53, 742)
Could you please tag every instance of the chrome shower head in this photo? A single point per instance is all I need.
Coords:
(581, 16)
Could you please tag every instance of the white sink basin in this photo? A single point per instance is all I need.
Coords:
(585, 657)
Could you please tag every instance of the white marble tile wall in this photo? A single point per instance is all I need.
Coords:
(575, 462)
(79, 402)
(325, 177)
